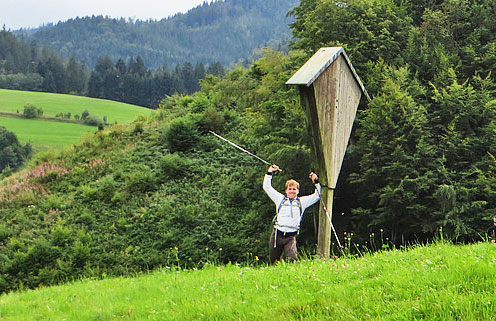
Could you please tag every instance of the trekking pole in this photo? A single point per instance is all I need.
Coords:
(241, 149)
(328, 217)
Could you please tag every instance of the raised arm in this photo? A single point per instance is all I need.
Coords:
(311, 199)
(274, 195)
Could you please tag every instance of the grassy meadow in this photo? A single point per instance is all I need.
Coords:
(52, 104)
(433, 282)
(46, 135)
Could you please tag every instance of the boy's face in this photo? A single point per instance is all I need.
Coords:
(292, 191)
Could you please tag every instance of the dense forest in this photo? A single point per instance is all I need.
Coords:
(163, 192)
(141, 62)
(28, 67)
(219, 31)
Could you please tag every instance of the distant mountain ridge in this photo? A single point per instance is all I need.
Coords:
(221, 31)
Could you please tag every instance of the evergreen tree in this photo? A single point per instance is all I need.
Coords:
(137, 67)
(199, 74)
(462, 120)
(188, 76)
(162, 86)
(77, 76)
(12, 153)
(395, 161)
(216, 69)
(223, 31)
(99, 78)
(369, 30)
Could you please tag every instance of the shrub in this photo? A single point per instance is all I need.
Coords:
(212, 120)
(200, 103)
(88, 193)
(92, 121)
(31, 111)
(12, 153)
(116, 198)
(85, 115)
(138, 128)
(181, 135)
(173, 165)
(4, 232)
(81, 255)
(141, 181)
(106, 188)
(61, 236)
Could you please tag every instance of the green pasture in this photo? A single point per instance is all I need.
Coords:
(435, 282)
(13, 101)
(44, 135)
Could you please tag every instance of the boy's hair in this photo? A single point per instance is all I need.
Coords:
(292, 182)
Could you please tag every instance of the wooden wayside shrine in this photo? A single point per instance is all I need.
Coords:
(330, 91)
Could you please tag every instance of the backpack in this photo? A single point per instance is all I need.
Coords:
(279, 208)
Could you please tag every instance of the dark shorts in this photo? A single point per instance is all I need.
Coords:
(284, 242)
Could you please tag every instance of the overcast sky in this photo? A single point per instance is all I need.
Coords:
(17, 14)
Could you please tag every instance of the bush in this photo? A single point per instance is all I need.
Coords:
(4, 232)
(212, 120)
(173, 165)
(31, 111)
(181, 135)
(92, 121)
(12, 153)
(19, 81)
(141, 181)
(85, 115)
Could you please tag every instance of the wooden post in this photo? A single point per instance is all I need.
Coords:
(324, 234)
(330, 91)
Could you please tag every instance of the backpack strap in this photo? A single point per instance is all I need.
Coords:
(278, 209)
(301, 214)
(274, 220)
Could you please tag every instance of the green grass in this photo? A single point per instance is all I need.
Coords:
(43, 134)
(47, 135)
(435, 282)
(52, 104)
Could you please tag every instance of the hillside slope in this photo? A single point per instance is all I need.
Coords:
(50, 132)
(220, 31)
(13, 101)
(435, 282)
(121, 200)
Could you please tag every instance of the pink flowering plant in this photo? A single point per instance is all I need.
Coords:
(31, 181)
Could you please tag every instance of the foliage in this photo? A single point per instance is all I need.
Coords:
(92, 121)
(162, 191)
(422, 147)
(174, 166)
(132, 83)
(12, 153)
(31, 111)
(181, 135)
(138, 190)
(224, 32)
